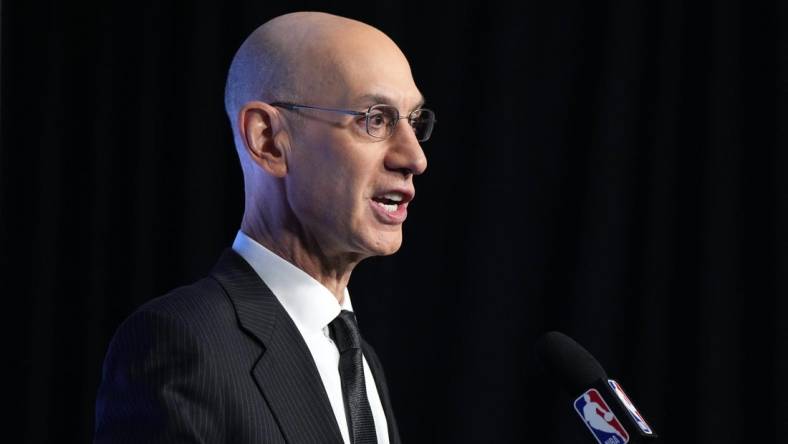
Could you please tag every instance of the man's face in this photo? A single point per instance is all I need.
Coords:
(348, 190)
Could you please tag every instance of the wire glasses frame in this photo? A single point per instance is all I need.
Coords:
(381, 119)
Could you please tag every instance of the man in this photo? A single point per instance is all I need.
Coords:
(327, 122)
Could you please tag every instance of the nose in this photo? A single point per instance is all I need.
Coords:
(405, 153)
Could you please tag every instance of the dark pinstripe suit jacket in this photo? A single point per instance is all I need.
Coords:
(218, 361)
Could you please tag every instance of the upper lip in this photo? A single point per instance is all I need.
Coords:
(407, 193)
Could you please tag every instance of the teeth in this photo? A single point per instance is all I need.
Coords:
(388, 208)
(396, 197)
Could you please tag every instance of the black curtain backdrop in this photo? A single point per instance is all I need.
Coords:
(613, 170)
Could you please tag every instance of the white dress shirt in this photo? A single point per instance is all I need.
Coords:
(312, 307)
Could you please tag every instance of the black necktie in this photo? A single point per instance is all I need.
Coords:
(344, 332)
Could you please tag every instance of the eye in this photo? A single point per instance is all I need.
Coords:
(377, 119)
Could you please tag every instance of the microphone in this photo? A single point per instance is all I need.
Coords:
(601, 403)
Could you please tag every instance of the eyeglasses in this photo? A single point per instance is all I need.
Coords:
(381, 120)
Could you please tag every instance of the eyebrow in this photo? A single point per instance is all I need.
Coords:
(374, 99)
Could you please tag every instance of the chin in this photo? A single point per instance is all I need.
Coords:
(391, 250)
(385, 244)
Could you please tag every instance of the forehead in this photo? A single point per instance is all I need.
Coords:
(363, 70)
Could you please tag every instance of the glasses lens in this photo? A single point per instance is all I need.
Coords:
(422, 121)
(381, 120)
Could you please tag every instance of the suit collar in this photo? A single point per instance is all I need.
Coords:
(285, 371)
(310, 304)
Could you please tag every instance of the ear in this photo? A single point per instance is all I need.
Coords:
(264, 136)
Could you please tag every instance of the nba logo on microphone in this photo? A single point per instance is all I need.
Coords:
(599, 419)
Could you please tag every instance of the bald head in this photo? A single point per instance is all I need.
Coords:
(302, 56)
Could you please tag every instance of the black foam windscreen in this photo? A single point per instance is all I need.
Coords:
(572, 365)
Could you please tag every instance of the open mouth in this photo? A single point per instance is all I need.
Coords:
(389, 201)
(391, 206)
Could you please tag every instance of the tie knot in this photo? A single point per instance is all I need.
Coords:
(344, 331)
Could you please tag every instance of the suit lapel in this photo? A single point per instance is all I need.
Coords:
(285, 372)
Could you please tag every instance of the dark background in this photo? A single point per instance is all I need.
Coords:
(613, 170)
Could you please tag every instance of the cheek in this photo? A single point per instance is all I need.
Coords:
(329, 181)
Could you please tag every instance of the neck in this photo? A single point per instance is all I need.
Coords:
(296, 247)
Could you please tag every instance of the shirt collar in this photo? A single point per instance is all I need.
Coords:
(311, 305)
